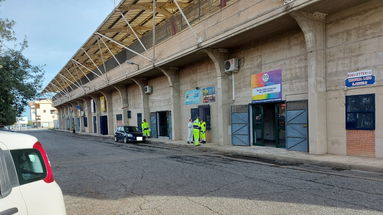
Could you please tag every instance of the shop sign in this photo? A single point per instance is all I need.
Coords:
(208, 94)
(192, 97)
(360, 78)
(266, 86)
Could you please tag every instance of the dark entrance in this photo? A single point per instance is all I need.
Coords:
(139, 121)
(268, 122)
(104, 125)
(94, 124)
(194, 112)
(164, 124)
(161, 124)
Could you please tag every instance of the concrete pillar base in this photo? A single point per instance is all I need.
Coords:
(313, 27)
(223, 96)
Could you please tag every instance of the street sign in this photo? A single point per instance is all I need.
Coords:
(359, 78)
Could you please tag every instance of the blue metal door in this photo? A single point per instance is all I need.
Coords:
(297, 127)
(153, 125)
(240, 125)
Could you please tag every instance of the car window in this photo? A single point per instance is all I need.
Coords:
(29, 165)
(131, 129)
(2, 173)
(5, 182)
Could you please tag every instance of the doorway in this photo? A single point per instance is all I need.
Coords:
(161, 124)
(95, 124)
(104, 125)
(139, 121)
(163, 127)
(268, 124)
(297, 126)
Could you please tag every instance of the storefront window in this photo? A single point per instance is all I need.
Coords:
(360, 112)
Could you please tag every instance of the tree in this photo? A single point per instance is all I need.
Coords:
(19, 80)
(6, 32)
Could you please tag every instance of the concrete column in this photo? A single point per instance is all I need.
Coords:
(73, 116)
(174, 86)
(62, 119)
(123, 92)
(224, 96)
(96, 100)
(65, 117)
(82, 103)
(313, 27)
(145, 99)
(109, 110)
(89, 115)
(59, 112)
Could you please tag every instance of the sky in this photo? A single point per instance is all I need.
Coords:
(55, 29)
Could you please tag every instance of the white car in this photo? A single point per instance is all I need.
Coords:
(27, 185)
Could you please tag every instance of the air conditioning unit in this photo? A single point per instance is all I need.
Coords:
(231, 65)
(148, 89)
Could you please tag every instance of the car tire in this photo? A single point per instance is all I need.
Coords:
(125, 140)
(115, 139)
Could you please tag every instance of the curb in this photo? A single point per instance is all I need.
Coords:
(282, 160)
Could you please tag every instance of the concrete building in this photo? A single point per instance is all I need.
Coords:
(303, 75)
(21, 122)
(43, 114)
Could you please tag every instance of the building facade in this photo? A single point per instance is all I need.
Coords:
(43, 114)
(303, 75)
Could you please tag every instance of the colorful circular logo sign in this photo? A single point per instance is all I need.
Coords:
(265, 77)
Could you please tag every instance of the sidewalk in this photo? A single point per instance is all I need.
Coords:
(284, 156)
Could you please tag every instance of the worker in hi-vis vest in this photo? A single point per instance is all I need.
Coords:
(196, 131)
(203, 131)
(145, 128)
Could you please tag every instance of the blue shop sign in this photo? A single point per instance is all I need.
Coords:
(192, 97)
(360, 81)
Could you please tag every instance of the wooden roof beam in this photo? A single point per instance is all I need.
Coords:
(126, 30)
(149, 5)
(161, 7)
(164, 12)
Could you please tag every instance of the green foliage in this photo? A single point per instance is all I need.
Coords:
(19, 80)
(6, 32)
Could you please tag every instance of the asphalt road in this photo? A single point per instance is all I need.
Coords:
(100, 177)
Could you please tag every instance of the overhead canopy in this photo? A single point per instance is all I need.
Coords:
(130, 20)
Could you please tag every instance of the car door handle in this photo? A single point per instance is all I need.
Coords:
(10, 211)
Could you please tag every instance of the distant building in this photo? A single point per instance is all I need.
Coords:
(21, 122)
(43, 114)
